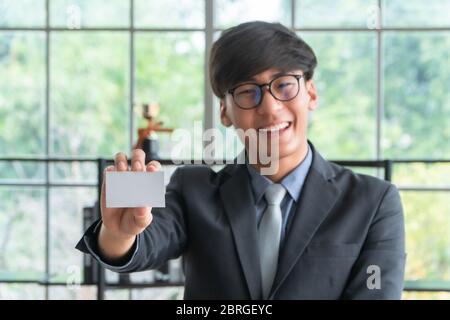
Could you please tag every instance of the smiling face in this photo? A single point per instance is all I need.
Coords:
(288, 118)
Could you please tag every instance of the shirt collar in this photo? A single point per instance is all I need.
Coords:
(293, 182)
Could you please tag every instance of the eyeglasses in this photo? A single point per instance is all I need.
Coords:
(250, 95)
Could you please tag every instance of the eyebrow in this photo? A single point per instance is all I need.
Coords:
(253, 80)
(273, 76)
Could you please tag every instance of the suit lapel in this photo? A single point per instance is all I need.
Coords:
(317, 199)
(239, 205)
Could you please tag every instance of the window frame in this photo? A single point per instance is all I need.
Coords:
(210, 114)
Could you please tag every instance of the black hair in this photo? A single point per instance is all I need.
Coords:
(250, 48)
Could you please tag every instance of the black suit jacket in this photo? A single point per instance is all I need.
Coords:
(345, 226)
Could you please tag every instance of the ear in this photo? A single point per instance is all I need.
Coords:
(226, 121)
(312, 93)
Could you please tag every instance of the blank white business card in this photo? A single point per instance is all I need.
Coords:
(130, 189)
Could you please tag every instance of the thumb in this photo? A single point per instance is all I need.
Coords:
(142, 217)
(103, 191)
(153, 166)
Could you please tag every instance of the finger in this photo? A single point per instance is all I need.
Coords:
(138, 160)
(103, 193)
(153, 166)
(142, 217)
(108, 168)
(120, 161)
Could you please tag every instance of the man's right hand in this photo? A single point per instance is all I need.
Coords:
(121, 225)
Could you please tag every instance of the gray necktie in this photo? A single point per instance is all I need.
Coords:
(269, 234)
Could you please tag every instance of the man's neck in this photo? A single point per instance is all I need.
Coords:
(286, 164)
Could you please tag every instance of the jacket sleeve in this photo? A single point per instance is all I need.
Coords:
(378, 272)
(165, 238)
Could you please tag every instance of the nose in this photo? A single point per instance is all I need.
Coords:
(268, 104)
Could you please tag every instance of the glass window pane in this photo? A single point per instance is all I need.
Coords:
(72, 293)
(169, 14)
(170, 293)
(14, 291)
(73, 172)
(427, 220)
(417, 95)
(416, 13)
(22, 171)
(421, 174)
(426, 296)
(343, 125)
(22, 93)
(66, 223)
(89, 97)
(331, 13)
(170, 72)
(23, 13)
(77, 14)
(22, 233)
(118, 294)
(231, 12)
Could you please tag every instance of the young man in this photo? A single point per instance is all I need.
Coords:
(310, 230)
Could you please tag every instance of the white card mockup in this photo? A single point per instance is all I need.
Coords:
(130, 189)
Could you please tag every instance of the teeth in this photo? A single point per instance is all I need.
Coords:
(276, 127)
